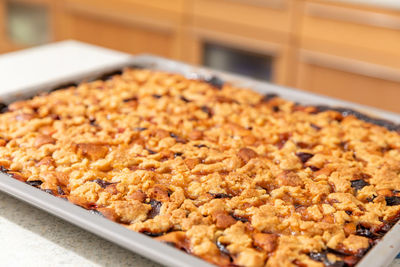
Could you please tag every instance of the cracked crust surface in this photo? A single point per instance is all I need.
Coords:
(226, 174)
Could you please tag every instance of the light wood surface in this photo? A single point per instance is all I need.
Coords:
(131, 39)
(350, 52)
(354, 33)
(350, 86)
(273, 17)
(130, 26)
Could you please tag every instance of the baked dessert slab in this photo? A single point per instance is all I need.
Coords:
(226, 174)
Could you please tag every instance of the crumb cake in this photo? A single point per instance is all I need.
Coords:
(226, 174)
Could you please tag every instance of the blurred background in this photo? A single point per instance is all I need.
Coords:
(349, 49)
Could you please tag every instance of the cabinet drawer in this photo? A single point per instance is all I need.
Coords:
(155, 12)
(131, 26)
(272, 15)
(118, 35)
(346, 79)
(364, 34)
(176, 6)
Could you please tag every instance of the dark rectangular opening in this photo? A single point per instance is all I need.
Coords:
(238, 61)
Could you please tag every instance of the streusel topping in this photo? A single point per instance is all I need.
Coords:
(226, 174)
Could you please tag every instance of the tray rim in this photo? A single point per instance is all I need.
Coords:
(382, 254)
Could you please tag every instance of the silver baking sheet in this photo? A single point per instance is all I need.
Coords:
(381, 254)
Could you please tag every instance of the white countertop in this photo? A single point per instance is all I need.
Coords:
(32, 237)
(39, 65)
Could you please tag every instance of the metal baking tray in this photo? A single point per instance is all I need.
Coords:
(382, 254)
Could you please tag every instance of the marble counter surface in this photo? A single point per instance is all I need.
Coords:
(32, 237)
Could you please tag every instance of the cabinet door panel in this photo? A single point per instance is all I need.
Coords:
(120, 36)
(264, 15)
(169, 12)
(354, 87)
(370, 35)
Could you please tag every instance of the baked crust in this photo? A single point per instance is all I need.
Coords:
(223, 173)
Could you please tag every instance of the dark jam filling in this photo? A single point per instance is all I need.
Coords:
(34, 183)
(358, 184)
(215, 81)
(391, 126)
(102, 183)
(3, 108)
(109, 75)
(64, 86)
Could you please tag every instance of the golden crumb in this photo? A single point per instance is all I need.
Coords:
(226, 174)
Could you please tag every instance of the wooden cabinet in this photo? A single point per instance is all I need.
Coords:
(130, 26)
(3, 34)
(25, 23)
(254, 26)
(257, 16)
(350, 53)
(347, 79)
(352, 31)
